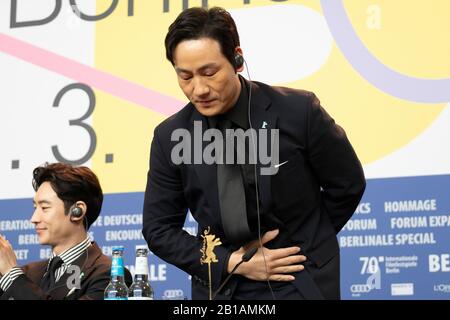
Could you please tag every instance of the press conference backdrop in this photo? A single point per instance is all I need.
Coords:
(86, 82)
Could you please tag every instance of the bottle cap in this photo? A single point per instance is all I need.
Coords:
(141, 246)
(117, 248)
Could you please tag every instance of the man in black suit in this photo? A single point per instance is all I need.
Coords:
(67, 202)
(290, 207)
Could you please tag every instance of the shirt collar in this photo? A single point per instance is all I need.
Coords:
(72, 254)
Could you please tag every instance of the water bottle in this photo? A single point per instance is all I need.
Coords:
(117, 289)
(141, 289)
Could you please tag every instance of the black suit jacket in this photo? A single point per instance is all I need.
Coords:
(309, 199)
(96, 269)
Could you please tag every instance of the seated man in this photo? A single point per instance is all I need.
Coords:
(67, 202)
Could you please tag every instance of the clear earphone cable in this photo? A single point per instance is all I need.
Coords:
(256, 179)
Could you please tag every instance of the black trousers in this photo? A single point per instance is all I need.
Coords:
(260, 290)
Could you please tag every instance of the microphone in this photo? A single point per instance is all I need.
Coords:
(246, 257)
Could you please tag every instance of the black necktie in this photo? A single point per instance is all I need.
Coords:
(230, 185)
(48, 281)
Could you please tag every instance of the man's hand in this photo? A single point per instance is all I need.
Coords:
(7, 256)
(280, 262)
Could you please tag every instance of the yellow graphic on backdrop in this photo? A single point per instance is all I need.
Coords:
(376, 123)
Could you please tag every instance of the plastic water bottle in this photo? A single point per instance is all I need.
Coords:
(141, 289)
(117, 289)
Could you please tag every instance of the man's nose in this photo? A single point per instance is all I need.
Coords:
(35, 217)
(201, 88)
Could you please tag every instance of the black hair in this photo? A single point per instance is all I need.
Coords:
(72, 184)
(195, 23)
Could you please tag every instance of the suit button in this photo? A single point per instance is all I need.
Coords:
(227, 292)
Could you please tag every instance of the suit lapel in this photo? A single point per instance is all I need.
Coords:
(206, 173)
(84, 263)
(263, 117)
(36, 273)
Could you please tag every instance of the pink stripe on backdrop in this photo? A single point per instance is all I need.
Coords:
(109, 83)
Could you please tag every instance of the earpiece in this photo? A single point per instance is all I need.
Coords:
(238, 60)
(76, 212)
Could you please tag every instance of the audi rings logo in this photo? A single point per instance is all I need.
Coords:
(173, 294)
(444, 288)
(360, 288)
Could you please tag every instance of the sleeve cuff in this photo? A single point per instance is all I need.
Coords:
(8, 278)
(225, 266)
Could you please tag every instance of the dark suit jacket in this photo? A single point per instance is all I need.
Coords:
(310, 199)
(96, 269)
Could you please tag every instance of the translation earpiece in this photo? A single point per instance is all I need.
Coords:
(238, 60)
(76, 212)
